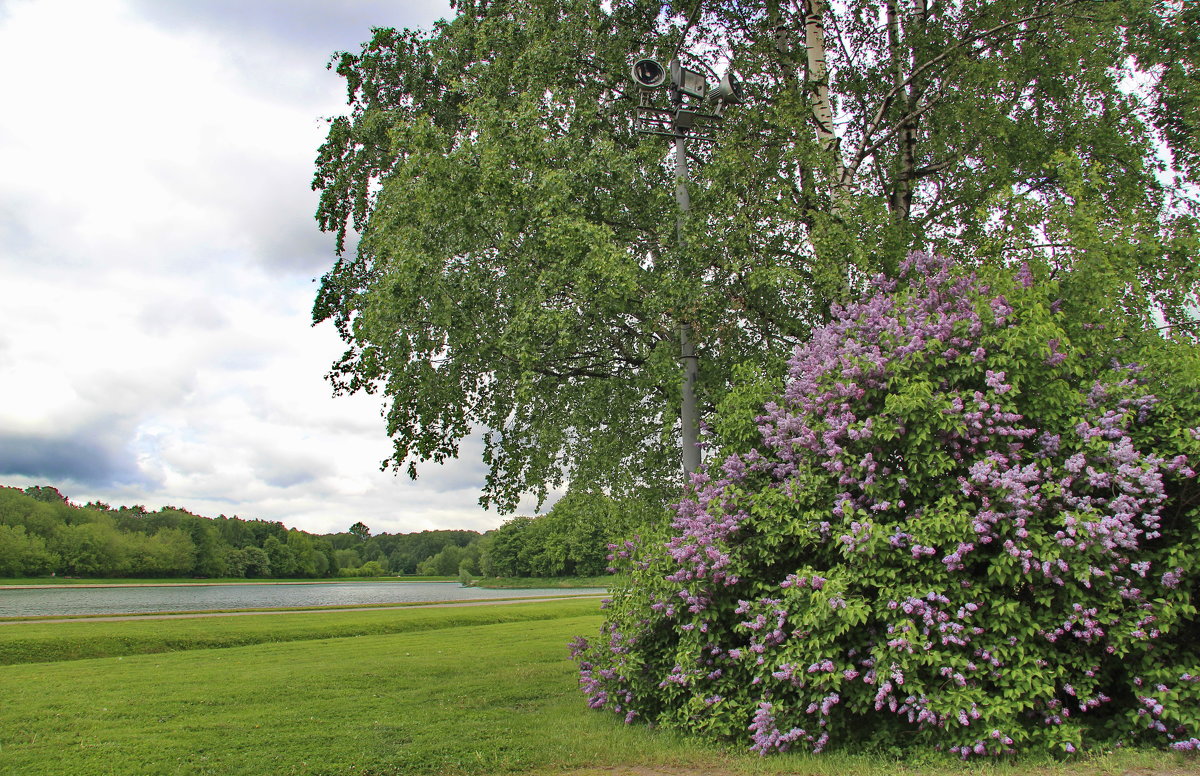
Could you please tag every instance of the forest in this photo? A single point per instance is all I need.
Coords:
(43, 533)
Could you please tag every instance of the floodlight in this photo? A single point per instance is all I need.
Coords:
(649, 74)
(689, 82)
(729, 91)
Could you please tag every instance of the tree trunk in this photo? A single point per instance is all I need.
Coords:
(900, 201)
(818, 85)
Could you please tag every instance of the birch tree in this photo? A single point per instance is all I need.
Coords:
(517, 272)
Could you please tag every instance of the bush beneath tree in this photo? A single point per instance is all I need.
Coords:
(964, 523)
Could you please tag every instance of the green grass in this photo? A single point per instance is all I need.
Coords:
(518, 583)
(32, 640)
(482, 697)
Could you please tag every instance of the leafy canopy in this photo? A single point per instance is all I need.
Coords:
(517, 271)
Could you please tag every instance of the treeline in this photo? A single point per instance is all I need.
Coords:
(43, 533)
(570, 540)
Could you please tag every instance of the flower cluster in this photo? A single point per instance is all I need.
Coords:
(958, 529)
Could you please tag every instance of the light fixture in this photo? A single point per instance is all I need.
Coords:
(689, 82)
(649, 74)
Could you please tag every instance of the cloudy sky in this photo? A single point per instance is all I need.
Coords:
(157, 263)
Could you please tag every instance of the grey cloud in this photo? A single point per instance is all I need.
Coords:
(162, 317)
(86, 456)
(463, 474)
(266, 203)
(282, 473)
(287, 238)
(314, 25)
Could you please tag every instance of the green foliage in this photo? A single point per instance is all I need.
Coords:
(402, 553)
(518, 269)
(255, 562)
(42, 532)
(969, 521)
(22, 554)
(371, 568)
(451, 560)
(573, 539)
(347, 559)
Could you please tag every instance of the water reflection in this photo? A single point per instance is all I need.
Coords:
(139, 600)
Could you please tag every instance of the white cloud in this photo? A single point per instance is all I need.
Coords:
(157, 249)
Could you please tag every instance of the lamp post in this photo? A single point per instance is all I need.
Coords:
(687, 92)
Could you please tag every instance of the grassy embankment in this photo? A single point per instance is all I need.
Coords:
(528, 583)
(480, 690)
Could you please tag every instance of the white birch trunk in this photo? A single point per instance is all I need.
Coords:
(818, 85)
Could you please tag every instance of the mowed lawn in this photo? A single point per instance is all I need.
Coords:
(463, 698)
(486, 690)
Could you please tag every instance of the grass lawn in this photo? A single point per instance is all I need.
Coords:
(31, 640)
(482, 690)
(518, 583)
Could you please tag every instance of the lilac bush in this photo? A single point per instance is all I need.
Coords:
(965, 522)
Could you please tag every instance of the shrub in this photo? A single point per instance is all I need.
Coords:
(960, 524)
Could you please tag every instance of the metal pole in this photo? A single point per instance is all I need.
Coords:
(688, 414)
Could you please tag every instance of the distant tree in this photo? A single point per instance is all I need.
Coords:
(506, 554)
(347, 559)
(360, 530)
(325, 560)
(23, 555)
(233, 562)
(372, 568)
(233, 531)
(46, 494)
(168, 553)
(206, 539)
(308, 561)
(572, 539)
(445, 563)
(92, 549)
(256, 562)
(262, 529)
(283, 561)
(371, 550)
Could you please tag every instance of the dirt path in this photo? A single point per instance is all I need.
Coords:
(326, 610)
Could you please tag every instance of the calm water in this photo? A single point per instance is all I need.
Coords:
(135, 600)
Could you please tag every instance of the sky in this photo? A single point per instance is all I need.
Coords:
(158, 259)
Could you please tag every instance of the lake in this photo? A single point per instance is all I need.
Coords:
(125, 599)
